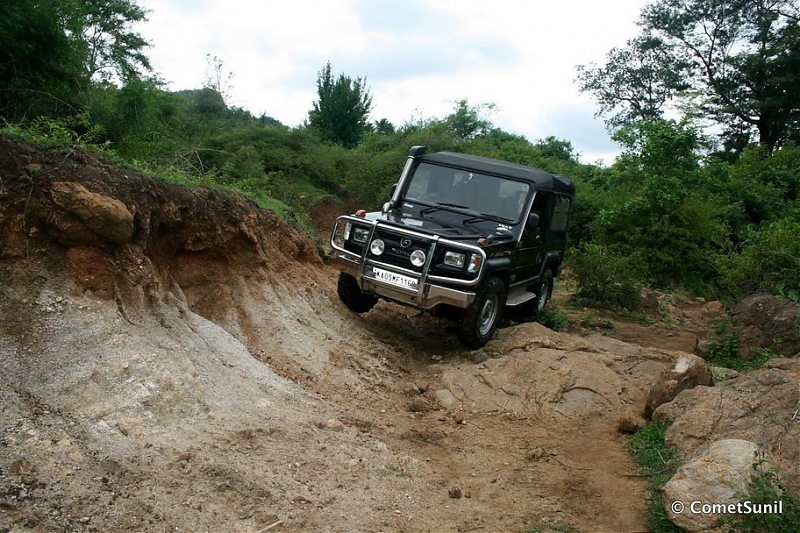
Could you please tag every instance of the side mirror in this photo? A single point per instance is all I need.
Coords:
(533, 221)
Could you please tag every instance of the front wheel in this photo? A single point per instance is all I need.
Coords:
(352, 296)
(544, 290)
(481, 318)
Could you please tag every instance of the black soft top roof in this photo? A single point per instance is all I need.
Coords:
(542, 180)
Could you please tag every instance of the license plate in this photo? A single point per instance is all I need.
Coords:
(394, 279)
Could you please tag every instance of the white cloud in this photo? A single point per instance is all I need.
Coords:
(419, 56)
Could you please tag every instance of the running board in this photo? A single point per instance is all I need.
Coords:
(519, 298)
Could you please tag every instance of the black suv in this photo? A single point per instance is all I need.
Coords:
(463, 233)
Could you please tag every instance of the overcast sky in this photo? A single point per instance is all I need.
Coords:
(419, 56)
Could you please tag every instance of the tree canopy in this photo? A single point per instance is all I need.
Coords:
(734, 62)
(341, 110)
(51, 51)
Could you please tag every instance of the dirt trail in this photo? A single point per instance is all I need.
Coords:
(198, 373)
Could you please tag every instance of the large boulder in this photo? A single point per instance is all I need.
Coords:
(689, 371)
(718, 475)
(759, 406)
(764, 321)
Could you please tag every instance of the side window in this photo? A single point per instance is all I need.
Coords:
(541, 205)
(560, 213)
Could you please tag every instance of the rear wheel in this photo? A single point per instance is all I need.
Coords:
(352, 296)
(481, 318)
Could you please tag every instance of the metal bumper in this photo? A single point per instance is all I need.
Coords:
(430, 296)
(430, 290)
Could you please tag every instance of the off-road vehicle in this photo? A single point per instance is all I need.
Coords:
(464, 234)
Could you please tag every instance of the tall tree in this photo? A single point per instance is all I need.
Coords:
(51, 51)
(38, 67)
(340, 113)
(468, 121)
(101, 30)
(636, 83)
(736, 62)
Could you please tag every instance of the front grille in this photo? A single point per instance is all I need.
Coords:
(398, 249)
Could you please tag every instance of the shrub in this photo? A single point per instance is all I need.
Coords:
(769, 260)
(766, 487)
(608, 277)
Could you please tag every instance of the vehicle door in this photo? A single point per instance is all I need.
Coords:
(530, 248)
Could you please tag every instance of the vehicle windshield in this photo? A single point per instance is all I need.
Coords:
(463, 190)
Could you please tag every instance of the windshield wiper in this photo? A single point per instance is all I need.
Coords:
(486, 216)
(440, 205)
(482, 216)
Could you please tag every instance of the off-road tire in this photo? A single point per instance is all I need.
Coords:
(481, 318)
(352, 296)
(544, 290)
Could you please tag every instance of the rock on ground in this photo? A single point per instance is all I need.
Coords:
(762, 319)
(689, 371)
(718, 475)
(760, 406)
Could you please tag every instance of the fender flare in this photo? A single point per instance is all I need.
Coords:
(498, 265)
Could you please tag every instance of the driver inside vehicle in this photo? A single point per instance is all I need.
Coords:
(438, 185)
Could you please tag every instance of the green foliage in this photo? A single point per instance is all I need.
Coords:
(57, 131)
(101, 30)
(729, 61)
(656, 204)
(40, 70)
(658, 462)
(606, 276)
(724, 351)
(554, 318)
(766, 488)
(52, 51)
(466, 122)
(340, 112)
(782, 292)
(635, 83)
(769, 259)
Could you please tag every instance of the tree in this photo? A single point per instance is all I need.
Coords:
(216, 79)
(52, 51)
(101, 30)
(38, 67)
(736, 62)
(466, 122)
(340, 113)
(636, 82)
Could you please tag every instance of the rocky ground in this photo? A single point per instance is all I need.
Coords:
(177, 360)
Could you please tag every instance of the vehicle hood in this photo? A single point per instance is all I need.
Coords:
(444, 225)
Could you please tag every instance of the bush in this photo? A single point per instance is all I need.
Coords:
(608, 277)
(766, 488)
(770, 259)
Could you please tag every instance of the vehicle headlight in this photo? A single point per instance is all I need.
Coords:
(360, 234)
(377, 246)
(418, 258)
(474, 263)
(454, 259)
(347, 228)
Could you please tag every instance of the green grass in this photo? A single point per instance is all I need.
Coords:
(554, 318)
(657, 462)
(766, 487)
(724, 352)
